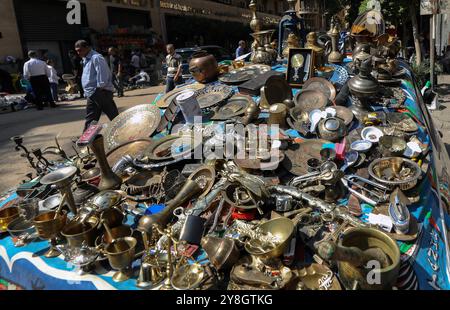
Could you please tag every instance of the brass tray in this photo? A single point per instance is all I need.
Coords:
(212, 95)
(322, 85)
(132, 148)
(344, 114)
(235, 106)
(309, 100)
(165, 100)
(137, 122)
(277, 89)
(298, 155)
(161, 149)
(244, 74)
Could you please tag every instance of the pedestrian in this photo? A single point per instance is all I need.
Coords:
(37, 73)
(97, 84)
(115, 64)
(174, 66)
(241, 49)
(140, 79)
(136, 61)
(53, 80)
(77, 70)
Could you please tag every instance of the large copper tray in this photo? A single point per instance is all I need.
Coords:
(165, 100)
(135, 123)
(322, 85)
(297, 156)
(132, 148)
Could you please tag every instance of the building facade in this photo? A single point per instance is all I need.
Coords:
(42, 24)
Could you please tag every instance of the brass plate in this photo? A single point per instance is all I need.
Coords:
(258, 164)
(212, 95)
(309, 100)
(235, 106)
(322, 85)
(297, 156)
(161, 150)
(165, 100)
(344, 114)
(277, 89)
(132, 148)
(244, 74)
(137, 122)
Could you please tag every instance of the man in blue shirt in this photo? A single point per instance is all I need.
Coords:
(241, 49)
(97, 84)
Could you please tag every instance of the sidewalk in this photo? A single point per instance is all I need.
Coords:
(39, 129)
(441, 117)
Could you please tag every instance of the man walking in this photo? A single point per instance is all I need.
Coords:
(115, 63)
(37, 73)
(174, 66)
(97, 84)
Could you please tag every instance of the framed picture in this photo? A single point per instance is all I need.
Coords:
(300, 66)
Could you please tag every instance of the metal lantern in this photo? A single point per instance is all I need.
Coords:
(290, 23)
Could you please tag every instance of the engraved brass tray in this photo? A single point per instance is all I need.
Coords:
(212, 95)
(163, 149)
(309, 100)
(165, 100)
(137, 122)
(235, 106)
(322, 85)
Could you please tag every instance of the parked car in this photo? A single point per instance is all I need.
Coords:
(186, 53)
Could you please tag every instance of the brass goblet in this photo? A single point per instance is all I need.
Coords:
(48, 226)
(120, 255)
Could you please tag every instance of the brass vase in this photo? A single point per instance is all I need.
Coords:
(109, 179)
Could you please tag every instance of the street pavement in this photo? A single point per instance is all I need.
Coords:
(441, 116)
(39, 129)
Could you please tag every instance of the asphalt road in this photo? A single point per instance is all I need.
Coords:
(39, 129)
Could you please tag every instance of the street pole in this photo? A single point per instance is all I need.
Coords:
(435, 7)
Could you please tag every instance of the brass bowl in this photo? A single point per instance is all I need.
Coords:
(364, 239)
(283, 228)
(113, 217)
(120, 255)
(7, 215)
(325, 72)
(78, 233)
(117, 232)
(47, 226)
(395, 164)
(222, 252)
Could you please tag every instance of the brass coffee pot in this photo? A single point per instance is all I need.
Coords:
(109, 179)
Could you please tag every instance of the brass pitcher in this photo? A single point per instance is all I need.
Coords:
(109, 179)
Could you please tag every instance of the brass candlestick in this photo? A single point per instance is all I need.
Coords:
(109, 179)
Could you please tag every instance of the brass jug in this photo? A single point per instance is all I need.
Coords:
(109, 179)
